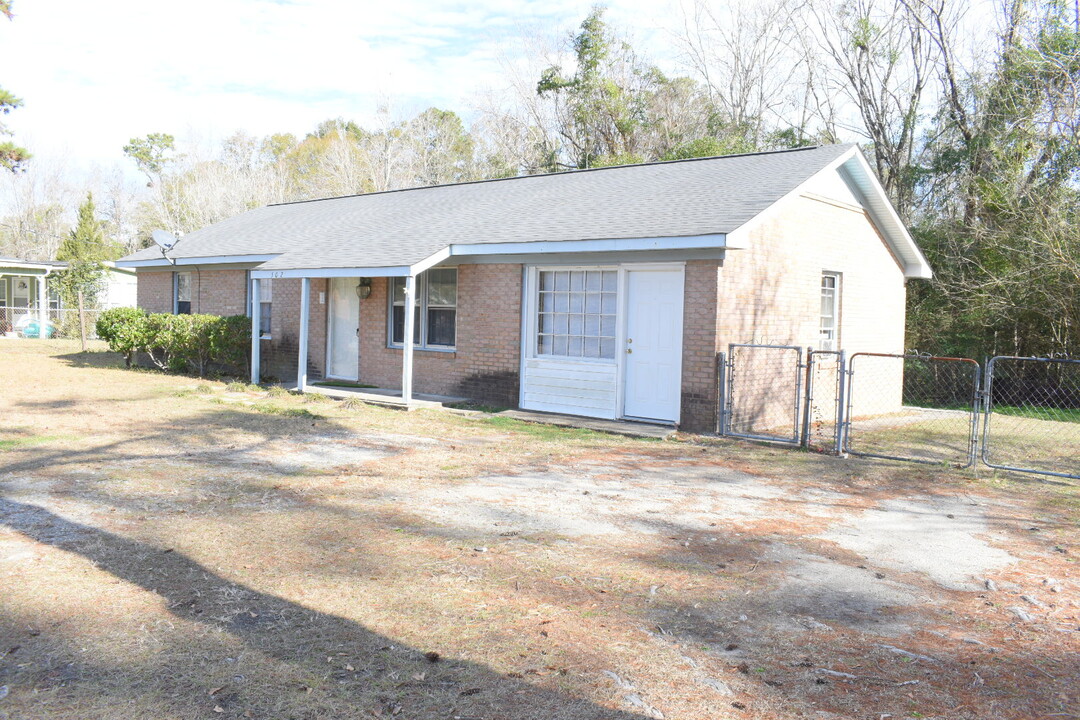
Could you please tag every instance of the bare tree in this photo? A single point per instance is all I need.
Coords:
(883, 61)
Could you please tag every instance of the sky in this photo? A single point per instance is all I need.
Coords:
(92, 75)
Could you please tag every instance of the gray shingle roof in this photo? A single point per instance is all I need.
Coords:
(402, 227)
(15, 262)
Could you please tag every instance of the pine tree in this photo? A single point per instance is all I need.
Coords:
(85, 249)
(12, 156)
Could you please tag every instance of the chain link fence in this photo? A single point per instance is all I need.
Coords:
(823, 409)
(60, 322)
(913, 407)
(764, 392)
(1033, 415)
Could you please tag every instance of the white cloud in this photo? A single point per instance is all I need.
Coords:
(93, 75)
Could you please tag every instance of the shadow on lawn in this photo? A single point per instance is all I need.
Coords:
(387, 678)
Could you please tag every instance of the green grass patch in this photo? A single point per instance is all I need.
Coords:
(29, 440)
(1068, 415)
(549, 433)
(272, 409)
(238, 386)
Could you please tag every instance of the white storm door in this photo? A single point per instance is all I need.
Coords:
(344, 330)
(653, 349)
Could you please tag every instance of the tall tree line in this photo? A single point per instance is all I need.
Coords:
(975, 142)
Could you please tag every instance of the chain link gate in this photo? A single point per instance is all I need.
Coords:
(917, 408)
(1032, 421)
(823, 407)
(763, 397)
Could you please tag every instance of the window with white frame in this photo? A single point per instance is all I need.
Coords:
(576, 313)
(266, 304)
(182, 286)
(434, 310)
(828, 337)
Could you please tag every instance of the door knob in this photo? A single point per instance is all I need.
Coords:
(629, 351)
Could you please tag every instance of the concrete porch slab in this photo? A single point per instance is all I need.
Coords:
(384, 397)
(613, 427)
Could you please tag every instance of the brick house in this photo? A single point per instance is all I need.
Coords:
(603, 293)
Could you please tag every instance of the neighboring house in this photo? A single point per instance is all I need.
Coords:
(603, 292)
(22, 285)
(119, 287)
(24, 282)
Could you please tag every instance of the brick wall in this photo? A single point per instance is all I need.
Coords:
(219, 292)
(486, 363)
(770, 293)
(281, 352)
(699, 391)
(213, 292)
(154, 291)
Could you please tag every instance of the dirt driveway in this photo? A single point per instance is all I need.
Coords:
(177, 548)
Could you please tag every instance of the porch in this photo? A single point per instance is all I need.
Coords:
(345, 291)
(24, 292)
(383, 397)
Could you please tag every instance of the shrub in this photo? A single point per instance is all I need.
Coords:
(178, 343)
(124, 329)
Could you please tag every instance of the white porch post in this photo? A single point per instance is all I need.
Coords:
(407, 341)
(43, 307)
(305, 311)
(256, 326)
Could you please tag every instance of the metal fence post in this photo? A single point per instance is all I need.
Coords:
(842, 417)
(721, 391)
(808, 399)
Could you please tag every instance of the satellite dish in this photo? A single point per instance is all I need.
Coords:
(164, 239)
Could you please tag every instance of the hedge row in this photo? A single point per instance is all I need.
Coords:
(178, 343)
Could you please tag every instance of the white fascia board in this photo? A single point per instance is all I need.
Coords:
(27, 270)
(689, 242)
(397, 271)
(430, 261)
(205, 260)
(915, 263)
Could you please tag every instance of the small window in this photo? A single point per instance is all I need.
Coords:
(183, 293)
(266, 302)
(434, 310)
(576, 313)
(828, 337)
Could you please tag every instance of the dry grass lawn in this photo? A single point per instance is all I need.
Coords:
(178, 548)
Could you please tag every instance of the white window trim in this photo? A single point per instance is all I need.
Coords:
(834, 342)
(176, 291)
(421, 292)
(533, 350)
(530, 321)
(264, 284)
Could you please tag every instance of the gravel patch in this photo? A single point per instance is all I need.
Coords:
(942, 538)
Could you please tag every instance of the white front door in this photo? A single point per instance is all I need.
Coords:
(344, 330)
(653, 347)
